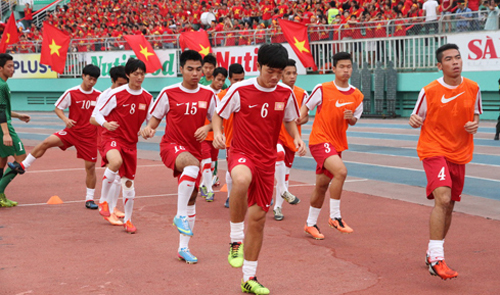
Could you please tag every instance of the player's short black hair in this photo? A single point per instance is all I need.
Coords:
(133, 65)
(440, 50)
(220, 70)
(4, 57)
(92, 71)
(190, 55)
(209, 58)
(291, 63)
(235, 68)
(273, 56)
(341, 56)
(117, 72)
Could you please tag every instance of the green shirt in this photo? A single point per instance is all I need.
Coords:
(5, 100)
(204, 81)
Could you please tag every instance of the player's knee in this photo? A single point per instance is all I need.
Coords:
(340, 173)
(127, 184)
(241, 180)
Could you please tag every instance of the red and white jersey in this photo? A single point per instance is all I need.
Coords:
(100, 129)
(258, 115)
(186, 111)
(127, 107)
(81, 104)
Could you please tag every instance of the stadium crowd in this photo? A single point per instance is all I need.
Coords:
(237, 22)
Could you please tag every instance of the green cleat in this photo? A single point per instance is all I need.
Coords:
(4, 202)
(235, 257)
(254, 287)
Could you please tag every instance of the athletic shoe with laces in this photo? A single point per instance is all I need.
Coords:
(340, 225)
(215, 181)
(91, 205)
(182, 225)
(291, 199)
(129, 227)
(103, 209)
(227, 203)
(278, 215)
(235, 257)
(203, 191)
(185, 254)
(254, 287)
(4, 202)
(113, 219)
(440, 269)
(118, 213)
(314, 232)
(210, 197)
(17, 167)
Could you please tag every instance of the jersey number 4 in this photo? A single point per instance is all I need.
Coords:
(442, 175)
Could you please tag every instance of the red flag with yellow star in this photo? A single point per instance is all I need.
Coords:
(296, 35)
(144, 52)
(55, 46)
(196, 40)
(10, 34)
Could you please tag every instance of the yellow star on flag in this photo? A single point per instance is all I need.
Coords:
(145, 52)
(54, 48)
(204, 50)
(8, 38)
(300, 45)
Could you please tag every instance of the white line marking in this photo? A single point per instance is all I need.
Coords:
(83, 169)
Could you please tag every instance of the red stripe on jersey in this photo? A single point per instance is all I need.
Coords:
(207, 166)
(186, 178)
(156, 102)
(287, 176)
(348, 92)
(105, 103)
(312, 94)
(61, 100)
(420, 104)
(227, 102)
(479, 106)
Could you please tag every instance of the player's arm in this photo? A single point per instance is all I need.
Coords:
(7, 139)
(23, 117)
(229, 104)
(418, 115)
(309, 103)
(219, 138)
(304, 115)
(289, 121)
(201, 133)
(157, 111)
(104, 106)
(61, 104)
(472, 126)
(150, 129)
(353, 117)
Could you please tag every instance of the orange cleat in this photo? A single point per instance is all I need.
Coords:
(104, 209)
(129, 227)
(440, 269)
(118, 213)
(314, 232)
(114, 220)
(340, 225)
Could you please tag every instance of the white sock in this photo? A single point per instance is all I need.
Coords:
(28, 161)
(114, 194)
(185, 189)
(107, 183)
(279, 174)
(436, 250)
(184, 239)
(249, 269)
(206, 174)
(287, 177)
(128, 203)
(229, 183)
(237, 233)
(312, 218)
(90, 194)
(334, 209)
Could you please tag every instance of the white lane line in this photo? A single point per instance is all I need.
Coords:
(83, 169)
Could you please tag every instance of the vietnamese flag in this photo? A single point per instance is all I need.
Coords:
(10, 34)
(144, 52)
(296, 35)
(196, 40)
(55, 46)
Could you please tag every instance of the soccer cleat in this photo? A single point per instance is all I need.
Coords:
(215, 181)
(340, 225)
(203, 191)
(235, 257)
(278, 215)
(91, 205)
(182, 225)
(103, 209)
(496, 137)
(17, 167)
(4, 202)
(118, 213)
(227, 203)
(210, 197)
(254, 287)
(314, 232)
(185, 255)
(129, 227)
(291, 199)
(440, 269)
(113, 219)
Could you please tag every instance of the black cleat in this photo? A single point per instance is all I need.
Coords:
(91, 205)
(17, 167)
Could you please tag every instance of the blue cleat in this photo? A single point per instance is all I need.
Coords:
(185, 255)
(227, 203)
(182, 225)
(210, 197)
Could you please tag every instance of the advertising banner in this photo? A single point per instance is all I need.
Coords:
(480, 50)
(27, 66)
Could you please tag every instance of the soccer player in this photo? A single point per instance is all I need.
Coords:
(208, 66)
(81, 101)
(185, 105)
(285, 147)
(236, 74)
(339, 105)
(208, 152)
(259, 105)
(118, 78)
(121, 112)
(448, 111)
(10, 145)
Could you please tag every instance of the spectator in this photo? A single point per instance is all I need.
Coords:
(28, 14)
(446, 7)
(492, 20)
(430, 8)
(332, 12)
(464, 15)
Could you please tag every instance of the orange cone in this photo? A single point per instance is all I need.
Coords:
(54, 200)
(223, 188)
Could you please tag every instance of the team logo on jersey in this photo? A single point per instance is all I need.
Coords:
(142, 106)
(202, 104)
(279, 106)
(93, 103)
(341, 104)
(62, 132)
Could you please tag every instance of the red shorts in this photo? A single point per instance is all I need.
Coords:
(227, 154)
(261, 188)
(320, 153)
(289, 155)
(208, 151)
(86, 148)
(129, 157)
(440, 172)
(169, 153)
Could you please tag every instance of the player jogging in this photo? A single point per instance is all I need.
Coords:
(447, 111)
